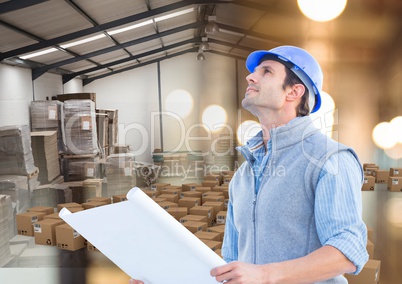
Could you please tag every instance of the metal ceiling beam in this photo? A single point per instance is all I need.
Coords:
(35, 37)
(103, 27)
(37, 72)
(227, 55)
(233, 45)
(92, 21)
(10, 6)
(276, 40)
(89, 80)
(68, 77)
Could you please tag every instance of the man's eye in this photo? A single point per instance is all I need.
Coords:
(266, 71)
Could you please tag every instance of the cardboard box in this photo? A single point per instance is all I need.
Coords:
(210, 236)
(54, 216)
(69, 239)
(194, 226)
(370, 274)
(108, 200)
(395, 184)
(204, 211)
(218, 252)
(119, 198)
(167, 204)
(91, 247)
(218, 206)
(45, 231)
(189, 186)
(368, 183)
(217, 229)
(189, 202)
(170, 197)
(210, 183)
(76, 96)
(25, 222)
(196, 194)
(368, 165)
(170, 190)
(158, 199)
(212, 198)
(223, 188)
(92, 204)
(381, 176)
(68, 206)
(214, 245)
(370, 249)
(44, 209)
(191, 218)
(395, 172)
(158, 186)
(213, 177)
(177, 212)
(370, 171)
(202, 189)
(221, 218)
(151, 193)
(370, 234)
(75, 209)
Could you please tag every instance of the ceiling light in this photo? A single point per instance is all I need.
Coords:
(82, 41)
(38, 53)
(322, 11)
(147, 22)
(200, 56)
(138, 25)
(211, 27)
(204, 44)
(175, 14)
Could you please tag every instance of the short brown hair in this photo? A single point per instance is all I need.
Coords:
(291, 79)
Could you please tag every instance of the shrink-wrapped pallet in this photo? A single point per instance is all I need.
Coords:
(47, 116)
(46, 156)
(15, 151)
(120, 174)
(79, 127)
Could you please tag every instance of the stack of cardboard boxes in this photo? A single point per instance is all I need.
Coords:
(47, 228)
(6, 227)
(374, 175)
(200, 207)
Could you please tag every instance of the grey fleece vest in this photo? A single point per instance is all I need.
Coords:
(278, 224)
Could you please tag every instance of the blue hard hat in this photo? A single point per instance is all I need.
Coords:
(301, 63)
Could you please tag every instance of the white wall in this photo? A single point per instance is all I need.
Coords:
(135, 94)
(15, 95)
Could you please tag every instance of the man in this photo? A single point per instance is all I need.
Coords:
(294, 213)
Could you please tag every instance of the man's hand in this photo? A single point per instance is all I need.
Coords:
(239, 273)
(133, 281)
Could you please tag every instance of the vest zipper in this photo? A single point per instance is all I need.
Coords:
(255, 228)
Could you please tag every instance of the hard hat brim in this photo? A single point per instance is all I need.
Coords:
(254, 59)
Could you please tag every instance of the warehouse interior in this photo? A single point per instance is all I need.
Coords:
(174, 74)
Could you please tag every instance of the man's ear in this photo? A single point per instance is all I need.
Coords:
(295, 92)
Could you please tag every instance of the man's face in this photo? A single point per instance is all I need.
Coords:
(265, 88)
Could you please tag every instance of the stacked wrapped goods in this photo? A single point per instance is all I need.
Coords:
(6, 225)
(15, 151)
(120, 174)
(46, 116)
(51, 194)
(17, 188)
(45, 153)
(79, 127)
